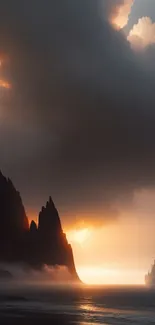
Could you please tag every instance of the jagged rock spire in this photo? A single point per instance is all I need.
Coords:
(49, 218)
(46, 244)
(54, 248)
(33, 227)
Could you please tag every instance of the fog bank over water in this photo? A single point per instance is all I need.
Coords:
(24, 274)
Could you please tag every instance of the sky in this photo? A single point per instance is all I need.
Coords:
(77, 116)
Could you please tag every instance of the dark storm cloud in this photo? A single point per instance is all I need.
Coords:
(82, 108)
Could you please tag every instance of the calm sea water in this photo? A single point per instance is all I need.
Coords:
(76, 305)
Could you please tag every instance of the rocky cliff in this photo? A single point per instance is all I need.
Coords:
(34, 245)
(13, 221)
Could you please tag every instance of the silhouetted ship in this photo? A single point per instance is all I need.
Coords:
(45, 244)
(150, 277)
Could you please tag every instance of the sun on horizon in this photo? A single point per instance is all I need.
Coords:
(99, 256)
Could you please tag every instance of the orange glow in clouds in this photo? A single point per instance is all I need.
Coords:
(5, 84)
(142, 34)
(122, 13)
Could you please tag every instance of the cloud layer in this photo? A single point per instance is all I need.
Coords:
(79, 122)
(122, 12)
(143, 34)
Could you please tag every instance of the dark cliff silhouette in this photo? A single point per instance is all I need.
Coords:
(13, 221)
(36, 246)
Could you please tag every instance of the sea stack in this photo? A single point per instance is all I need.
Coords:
(150, 277)
(52, 245)
(45, 244)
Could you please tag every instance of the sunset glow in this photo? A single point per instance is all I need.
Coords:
(77, 162)
(79, 235)
(121, 17)
(97, 275)
(94, 161)
(5, 84)
(142, 34)
(113, 254)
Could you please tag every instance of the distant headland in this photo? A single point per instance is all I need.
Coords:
(45, 244)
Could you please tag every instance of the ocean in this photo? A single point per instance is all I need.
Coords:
(78, 305)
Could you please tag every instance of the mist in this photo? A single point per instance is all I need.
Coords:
(22, 274)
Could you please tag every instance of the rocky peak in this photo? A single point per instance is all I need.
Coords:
(36, 246)
(12, 212)
(33, 227)
(49, 218)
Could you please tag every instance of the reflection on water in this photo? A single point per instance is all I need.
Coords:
(79, 305)
(87, 323)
